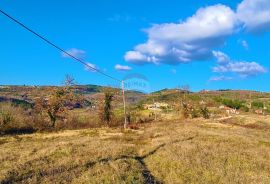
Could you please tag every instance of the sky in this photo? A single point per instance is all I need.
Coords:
(210, 44)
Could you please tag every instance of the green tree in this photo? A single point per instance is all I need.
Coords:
(106, 111)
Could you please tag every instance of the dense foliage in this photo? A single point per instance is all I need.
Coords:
(257, 104)
(234, 104)
(106, 110)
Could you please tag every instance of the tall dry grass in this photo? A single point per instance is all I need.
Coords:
(190, 151)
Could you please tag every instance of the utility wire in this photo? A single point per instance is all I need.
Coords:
(57, 47)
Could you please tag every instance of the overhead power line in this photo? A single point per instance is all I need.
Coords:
(73, 57)
(57, 47)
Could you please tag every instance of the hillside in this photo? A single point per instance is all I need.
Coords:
(173, 136)
(201, 151)
(29, 93)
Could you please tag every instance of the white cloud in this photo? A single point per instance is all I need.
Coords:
(244, 44)
(74, 52)
(193, 39)
(91, 67)
(221, 57)
(255, 14)
(212, 21)
(122, 68)
(139, 58)
(242, 68)
(80, 54)
(220, 78)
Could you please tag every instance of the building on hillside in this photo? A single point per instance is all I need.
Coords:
(228, 110)
(156, 106)
(205, 91)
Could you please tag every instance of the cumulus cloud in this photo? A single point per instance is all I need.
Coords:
(221, 57)
(255, 15)
(137, 57)
(122, 68)
(193, 39)
(220, 78)
(242, 68)
(74, 52)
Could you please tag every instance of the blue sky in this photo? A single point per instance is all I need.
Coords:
(207, 44)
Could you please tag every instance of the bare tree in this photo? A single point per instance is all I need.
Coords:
(69, 81)
(58, 101)
(185, 88)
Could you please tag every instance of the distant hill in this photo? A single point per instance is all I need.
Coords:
(29, 93)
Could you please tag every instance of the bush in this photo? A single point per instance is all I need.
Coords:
(194, 97)
(185, 110)
(75, 121)
(257, 104)
(140, 105)
(194, 113)
(5, 118)
(15, 120)
(244, 108)
(234, 104)
(22, 103)
(205, 112)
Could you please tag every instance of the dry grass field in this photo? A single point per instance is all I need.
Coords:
(235, 150)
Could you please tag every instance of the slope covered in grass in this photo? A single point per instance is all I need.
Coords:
(194, 151)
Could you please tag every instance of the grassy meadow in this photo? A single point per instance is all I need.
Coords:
(187, 151)
(52, 135)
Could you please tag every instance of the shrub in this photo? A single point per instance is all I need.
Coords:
(140, 105)
(194, 113)
(15, 120)
(5, 118)
(141, 120)
(205, 112)
(22, 103)
(195, 97)
(185, 110)
(244, 108)
(257, 104)
(75, 121)
(234, 104)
